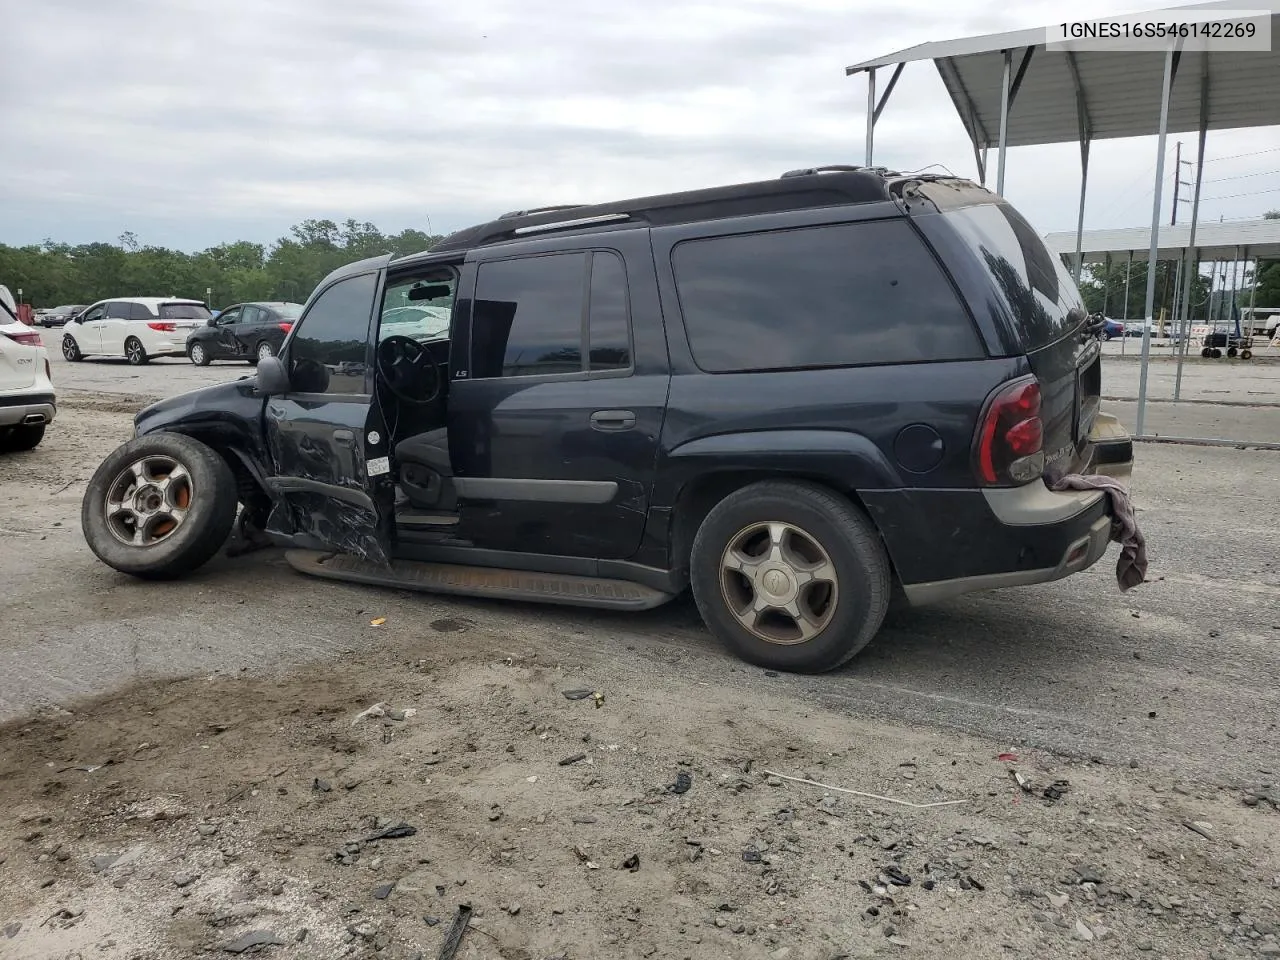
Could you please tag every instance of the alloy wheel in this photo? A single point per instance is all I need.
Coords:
(779, 582)
(148, 501)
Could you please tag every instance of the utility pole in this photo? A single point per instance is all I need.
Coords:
(1179, 163)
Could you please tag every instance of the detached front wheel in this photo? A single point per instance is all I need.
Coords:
(159, 506)
(790, 576)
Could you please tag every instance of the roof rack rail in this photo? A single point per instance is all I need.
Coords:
(567, 224)
(528, 213)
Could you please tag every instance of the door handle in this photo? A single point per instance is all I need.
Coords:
(344, 436)
(613, 421)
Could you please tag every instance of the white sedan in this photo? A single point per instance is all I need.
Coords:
(27, 403)
(136, 328)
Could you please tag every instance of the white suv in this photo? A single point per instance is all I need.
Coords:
(27, 403)
(136, 328)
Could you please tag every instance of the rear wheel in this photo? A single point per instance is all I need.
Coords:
(1232, 351)
(1217, 353)
(790, 575)
(71, 349)
(198, 355)
(16, 439)
(159, 506)
(1246, 354)
(265, 350)
(135, 352)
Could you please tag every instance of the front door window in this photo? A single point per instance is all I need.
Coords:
(329, 349)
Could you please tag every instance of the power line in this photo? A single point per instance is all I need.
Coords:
(1237, 156)
(1235, 196)
(1245, 176)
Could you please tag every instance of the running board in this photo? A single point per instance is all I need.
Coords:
(489, 582)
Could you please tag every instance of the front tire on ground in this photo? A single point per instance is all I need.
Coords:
(264, 350)
(790, 575)
(19, 438)
(159, 506)
(70, 349)
(197, 354)
(135, 352)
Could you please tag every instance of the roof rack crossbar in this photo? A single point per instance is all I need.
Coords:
(829, 168)
(528, 213)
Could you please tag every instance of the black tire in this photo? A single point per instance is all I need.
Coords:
(1107, 334)
(198, 355)
(863, 580)
(1217, 354)
(70, 349)
(1232, 351)
(1206, 353)
(19, 438)
(135, 352)
(1246, 354)
(263, 349)
(210, 511)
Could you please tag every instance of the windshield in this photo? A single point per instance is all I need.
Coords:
(184, 311)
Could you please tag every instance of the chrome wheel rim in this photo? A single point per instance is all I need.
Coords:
(68, 348)
(779, 582)
(148, 501)
(264, 351)
(133, 350)
(197, 353)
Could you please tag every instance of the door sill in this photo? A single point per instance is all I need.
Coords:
(487, 582)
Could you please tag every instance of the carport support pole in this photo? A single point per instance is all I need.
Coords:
(1128, 272)
(1253, 298)
(1191, 255)
(871, 113)
(1004, 122)
(1106, 283)
(1155, 240)
(1084, 183)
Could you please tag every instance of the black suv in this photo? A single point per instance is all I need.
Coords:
(796, 397)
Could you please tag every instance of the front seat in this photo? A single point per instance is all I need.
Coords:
(426, 473)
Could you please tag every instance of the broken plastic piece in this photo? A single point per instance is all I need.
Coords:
(453, 939)
(393, 833)
(578, 694)
(377, 621)
(682, 784)
(1008, 757)
(377, 710)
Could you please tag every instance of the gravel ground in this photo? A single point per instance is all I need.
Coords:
(1160, 709)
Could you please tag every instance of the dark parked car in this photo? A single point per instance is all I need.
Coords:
(796, 397)
(247, 331)
(58, 316)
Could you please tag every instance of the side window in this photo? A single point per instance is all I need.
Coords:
(609, 330)
(327, 351)
(250, 315)
(94, 313)
(837, 295)
(527, 316)
(140, 311)
(119, 310)
(228, 317)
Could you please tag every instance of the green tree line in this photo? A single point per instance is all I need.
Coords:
(51, 274)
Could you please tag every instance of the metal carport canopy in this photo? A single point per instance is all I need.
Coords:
(1013, 89)
(1120, 90)
(1214, 241)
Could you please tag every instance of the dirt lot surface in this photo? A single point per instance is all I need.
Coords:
(182, 764)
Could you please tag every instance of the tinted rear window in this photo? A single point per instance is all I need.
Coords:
(289, 311)
(184, 311)
(837, 295)
(1034, 282)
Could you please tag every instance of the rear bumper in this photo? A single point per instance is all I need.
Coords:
(31, 408)
(945, 543)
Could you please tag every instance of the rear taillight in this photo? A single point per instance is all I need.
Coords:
(31, 339)
(1011, 436)
(286, 326)
(163, 327)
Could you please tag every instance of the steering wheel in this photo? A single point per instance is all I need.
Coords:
(409, 370)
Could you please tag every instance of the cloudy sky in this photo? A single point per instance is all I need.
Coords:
(192, 122)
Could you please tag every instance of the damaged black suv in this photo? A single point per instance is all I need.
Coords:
(796, 397)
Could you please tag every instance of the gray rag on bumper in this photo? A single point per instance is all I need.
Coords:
(1131, 568)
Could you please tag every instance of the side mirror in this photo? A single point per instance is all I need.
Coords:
(211, 322)
(273, 378)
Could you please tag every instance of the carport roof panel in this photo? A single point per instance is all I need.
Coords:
(1121, 89)
(1261, 238)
